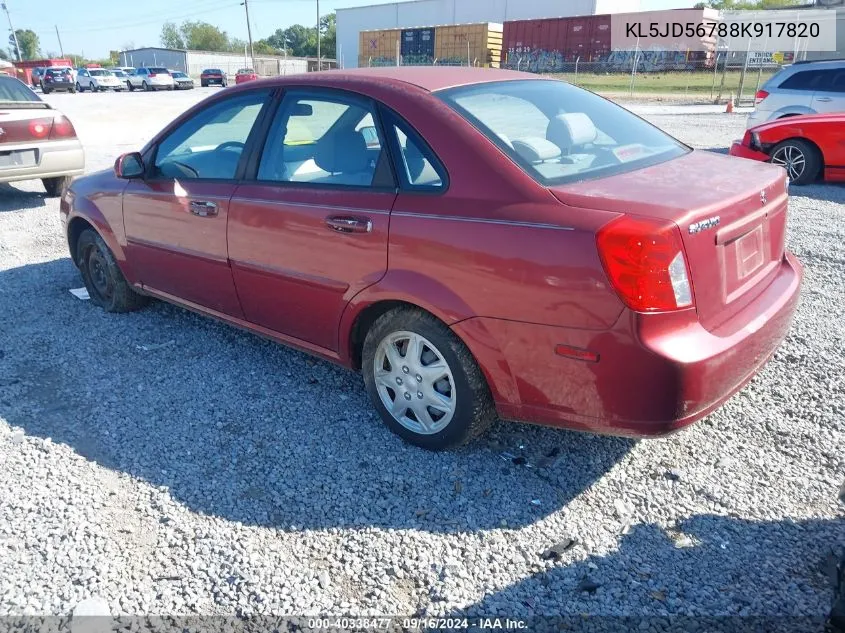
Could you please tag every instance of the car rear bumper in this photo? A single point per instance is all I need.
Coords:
(213, 80)
(654, 375)
(757, 117)
(742, 151)
(55, 158)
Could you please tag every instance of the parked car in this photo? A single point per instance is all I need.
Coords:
(36, 141)
(181, 81)
(593, 284)
(58, 79)
(213, 76)
(150, 78)
(244, 75)
(36, 75)
(97, 80)
(807, 146)
(127, 70)
(801, 88)
(117, 72)
(836, 619)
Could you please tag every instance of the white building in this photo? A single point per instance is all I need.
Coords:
(194, 62)
(401, 15)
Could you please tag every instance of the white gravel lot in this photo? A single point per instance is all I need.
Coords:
(218, 473)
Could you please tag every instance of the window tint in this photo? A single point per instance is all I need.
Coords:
(418, 164)
(160, 71)
(559, 133)
(805, 80)
(12, 89)
(328, 140)
(209, 145)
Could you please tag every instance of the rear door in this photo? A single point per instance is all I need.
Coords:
(795, 91)
(309, 230)
(175, 218)
(829, 95)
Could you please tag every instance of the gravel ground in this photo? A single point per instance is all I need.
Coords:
(164, 463)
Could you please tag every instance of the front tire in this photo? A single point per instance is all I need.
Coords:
(424, 382)
(145, 86)
(800, 159)
(129, 86)
(106, 285)
(55, 186)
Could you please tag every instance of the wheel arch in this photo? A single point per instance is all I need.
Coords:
(809, 142)
(372, 303)
(86, 216)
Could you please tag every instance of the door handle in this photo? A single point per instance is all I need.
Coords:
(824, 99)
(203, 208)
(349, 224)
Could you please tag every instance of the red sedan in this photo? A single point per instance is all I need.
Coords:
(478, 243)
(809, 147)
(244, 75)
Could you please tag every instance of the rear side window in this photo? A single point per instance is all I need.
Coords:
(417, 166)
(13, 90)
(804, 80)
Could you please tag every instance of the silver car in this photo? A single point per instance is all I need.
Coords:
(36, 141)
(801, 88)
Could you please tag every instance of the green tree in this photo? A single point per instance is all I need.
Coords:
(28, 42)
(328, 36)
(262, 47)
(202, 36)
(170, 36)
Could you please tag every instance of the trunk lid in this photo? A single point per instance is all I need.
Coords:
(731, 213)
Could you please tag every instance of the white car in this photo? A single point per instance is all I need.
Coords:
(97, 79)
(812, 87)
(150, 78)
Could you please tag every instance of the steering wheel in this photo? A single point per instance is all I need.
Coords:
(230, 145)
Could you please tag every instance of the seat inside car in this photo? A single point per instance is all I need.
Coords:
(345, 157)
(571, 132)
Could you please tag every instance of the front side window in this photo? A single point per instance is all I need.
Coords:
(559, 133)
(322, 139)
(209, 145)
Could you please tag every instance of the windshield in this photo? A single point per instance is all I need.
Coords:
(13, 90)
(100, 73)
(559, 133)
(178, 74)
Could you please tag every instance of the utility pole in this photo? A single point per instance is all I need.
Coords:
(12, 29)
(60, 41)
(245, 3)
(318, 36)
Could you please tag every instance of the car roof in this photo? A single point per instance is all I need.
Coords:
(429, 78)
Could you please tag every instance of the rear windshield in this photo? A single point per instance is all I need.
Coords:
(246, 71)
(559, 133)
(13, 90)
(159, 70)
(214, 70)
(57, 71)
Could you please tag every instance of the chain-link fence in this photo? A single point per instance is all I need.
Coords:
(644, 74)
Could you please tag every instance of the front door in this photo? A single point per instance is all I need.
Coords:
(309, 231)
(175, 218)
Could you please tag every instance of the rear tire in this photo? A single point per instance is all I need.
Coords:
(800, 159)
(145, 86)
(129, 86)
(448, 399)
(55, 186)
(106, 285)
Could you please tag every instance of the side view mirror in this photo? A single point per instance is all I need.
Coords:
(129, 165)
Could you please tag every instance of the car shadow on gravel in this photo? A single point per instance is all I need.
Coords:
(14, 199)
(757, 576)
(242, 428)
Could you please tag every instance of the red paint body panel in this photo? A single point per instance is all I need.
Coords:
(825, 131)
(511, 266)
(287, 262)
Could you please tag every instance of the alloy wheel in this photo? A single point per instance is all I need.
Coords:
(792, 159)
(414, 382)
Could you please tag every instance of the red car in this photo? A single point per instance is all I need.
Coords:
(809, 146)
(244, 75)
(511, 246)
(213, 76)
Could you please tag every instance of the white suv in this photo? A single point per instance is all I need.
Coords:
(150, 78)
(802, 88)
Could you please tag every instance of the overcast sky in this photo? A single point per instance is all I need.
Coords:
(94, 27)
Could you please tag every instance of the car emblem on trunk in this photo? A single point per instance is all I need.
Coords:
(709, 223)
(2, 131)
(763, 197)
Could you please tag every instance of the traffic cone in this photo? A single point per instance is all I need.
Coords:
(730, 107)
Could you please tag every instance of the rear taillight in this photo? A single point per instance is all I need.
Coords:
(761, 94)
(152, 74)
(48, 77)
(40, 128)
(644, 260)
(62, 128)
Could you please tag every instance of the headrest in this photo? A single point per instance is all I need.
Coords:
(344, 152)
(535, 149)
(571, 129)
